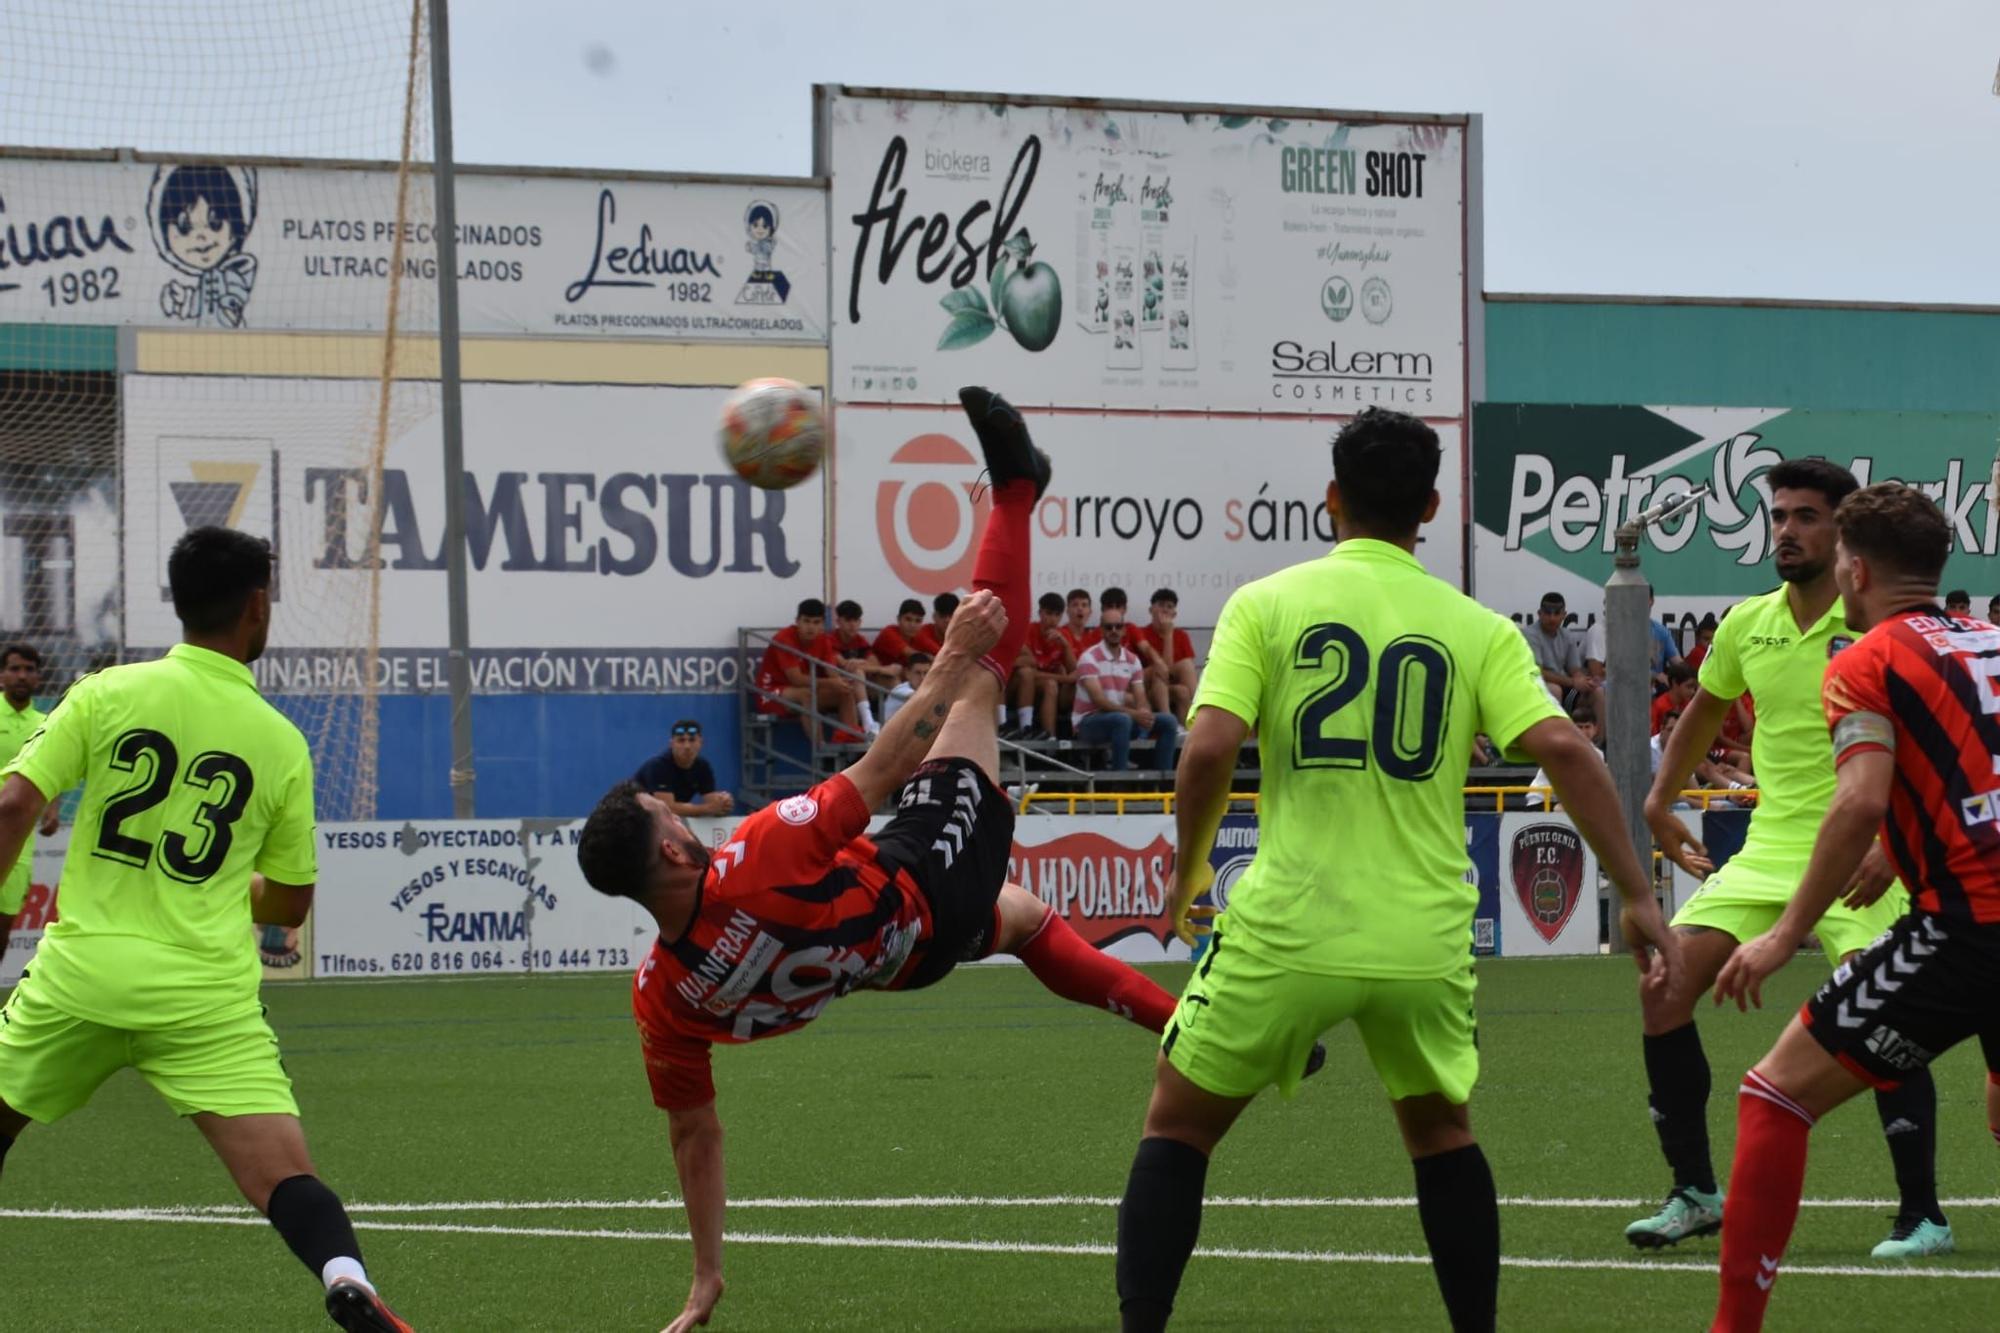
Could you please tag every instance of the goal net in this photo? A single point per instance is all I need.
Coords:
(217, 305)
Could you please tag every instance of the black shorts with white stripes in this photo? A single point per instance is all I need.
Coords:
(1926, 984)
(953, 831)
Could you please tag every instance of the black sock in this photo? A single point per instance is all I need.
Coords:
(309, 1216)
(1677, 1076)
(1157, 1226)
(1909, 1122)
(1461, 1217)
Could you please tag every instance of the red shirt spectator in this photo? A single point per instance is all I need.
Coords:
(1147, 636)
(791, 651)
(930, 639)
(894, 645)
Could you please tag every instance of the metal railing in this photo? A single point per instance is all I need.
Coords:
(1121, 802)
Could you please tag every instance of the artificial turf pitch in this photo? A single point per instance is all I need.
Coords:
(496, 1141)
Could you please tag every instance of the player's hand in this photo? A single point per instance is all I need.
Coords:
(1872, 878)
(51, 820)
(1655, 948)
(977, 624)
(1742, 977)
(1191, 920)
(702, 1298)
(1676, 843)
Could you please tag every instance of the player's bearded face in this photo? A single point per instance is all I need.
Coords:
(1803, 535)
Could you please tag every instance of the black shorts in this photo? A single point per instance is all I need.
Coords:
(953, 832)
(1924, 986)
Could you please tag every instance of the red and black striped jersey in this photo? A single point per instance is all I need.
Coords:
(794, 912)
(1925, 687)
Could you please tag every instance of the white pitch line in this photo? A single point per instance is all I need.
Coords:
(1090, 1249)
(913, 1201)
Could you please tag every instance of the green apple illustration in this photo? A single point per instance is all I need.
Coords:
(1026, 296)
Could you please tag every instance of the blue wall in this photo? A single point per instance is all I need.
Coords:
(546, 755)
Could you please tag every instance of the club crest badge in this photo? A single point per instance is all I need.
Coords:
(1547, 865)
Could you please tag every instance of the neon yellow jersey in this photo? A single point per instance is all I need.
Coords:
(1759, 649)
(16, 726)
(1366, 679)
(191, 782)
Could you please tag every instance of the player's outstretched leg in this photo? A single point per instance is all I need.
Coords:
(266, 1156)
(1458, 1206)
(1908, 1113)
(1064, 962)
(1678, 1080)
(1020, 473)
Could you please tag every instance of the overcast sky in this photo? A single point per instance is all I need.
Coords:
(1837, 149)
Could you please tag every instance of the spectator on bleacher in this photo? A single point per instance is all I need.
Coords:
(1024, 686)
(893, 645)
(1708, 772)
(930, 638)
(914, 670)
(857, 654)
(1993, 610)
(787, 675)
(1958, 602)
(680, 776)
(1679, 693)
(1171, 674)
(1055, 667)
(1557, 654)
(1077, 627)
(1704, 639)
(1586, 723)
(1111, 704)
(1666, 648)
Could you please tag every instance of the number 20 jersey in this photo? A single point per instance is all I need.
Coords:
(1366, 680)
(190, 782)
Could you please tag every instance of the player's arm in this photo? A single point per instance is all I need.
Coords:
(904, 741)
(51, 762)
(21, 804)
(1201, 798)
(1689, 744)
(696, 1136)
(275, 904)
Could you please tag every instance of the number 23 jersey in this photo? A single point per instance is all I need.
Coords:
(1366, 679)
(191, 781)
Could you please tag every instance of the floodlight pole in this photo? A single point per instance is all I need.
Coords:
(458, 661)
(1627, 673)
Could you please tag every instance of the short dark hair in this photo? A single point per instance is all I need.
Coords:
(1049, 601)
(33, 654)
(686, 726)
(615, 848)
(944, 603)
(1553, 601)
(812, 606)
(848, 610)
(1830, 479)
(1110, 597)
(1386, 463)
(1073, 594)
(1680, 673)
(1165, 597)
(1955, 595)
(910, 607)
(1896, 526)
(211, 573)
(919, 659)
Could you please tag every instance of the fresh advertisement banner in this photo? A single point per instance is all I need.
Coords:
(1200, 505)
(1089, 255)
(1551, 484)
(601, 525)
(204, 245)
(1548, 888)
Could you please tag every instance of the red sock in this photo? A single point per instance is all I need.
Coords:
(1062, 961)
(1002, 567)
(1763, 1203)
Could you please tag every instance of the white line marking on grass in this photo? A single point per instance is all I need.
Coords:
(1090, 1249)
(800, 1203)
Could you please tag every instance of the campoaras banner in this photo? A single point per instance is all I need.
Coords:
(1551, 484)
(1144, 257)
(1200, 505)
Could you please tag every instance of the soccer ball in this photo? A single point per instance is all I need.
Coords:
(773, 433)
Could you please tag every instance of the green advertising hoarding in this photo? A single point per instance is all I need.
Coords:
(1551, 484)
